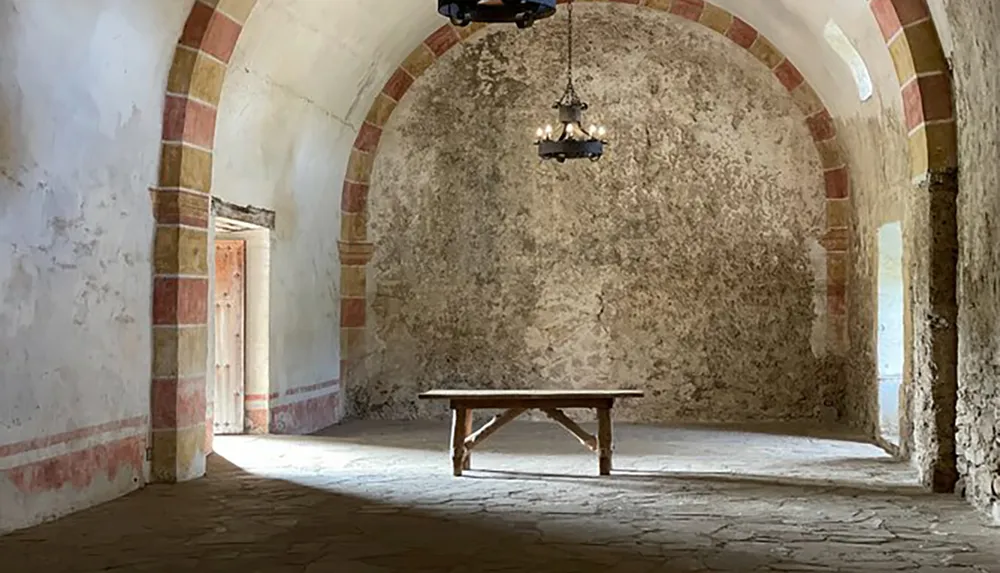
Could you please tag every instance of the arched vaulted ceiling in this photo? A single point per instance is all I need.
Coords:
(338, 54)
(304, 73)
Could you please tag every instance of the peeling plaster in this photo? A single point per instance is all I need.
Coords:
(81, 99)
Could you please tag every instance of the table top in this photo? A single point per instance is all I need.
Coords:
(528, 394)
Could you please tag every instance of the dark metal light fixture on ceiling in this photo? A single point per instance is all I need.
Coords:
(521, 12)
(573, 142)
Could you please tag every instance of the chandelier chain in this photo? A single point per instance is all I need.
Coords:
(569, 49)
(569, 97)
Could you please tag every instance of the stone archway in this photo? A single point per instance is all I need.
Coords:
(929, 114)
(181, 206)
(181, 201)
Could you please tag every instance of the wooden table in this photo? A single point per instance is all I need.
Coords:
(516, 402)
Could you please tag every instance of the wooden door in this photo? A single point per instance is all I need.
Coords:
(230, 267)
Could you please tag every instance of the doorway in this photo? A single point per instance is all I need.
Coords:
(891, 342)
(239, 398)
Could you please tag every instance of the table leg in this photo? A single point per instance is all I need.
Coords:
(459, 417)
(604, 439)
(467, 465)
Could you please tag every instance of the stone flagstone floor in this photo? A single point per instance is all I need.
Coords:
(377, 497)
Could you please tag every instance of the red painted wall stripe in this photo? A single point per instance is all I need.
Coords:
(888, 20)
(291, 391)
(910, 11)
(73, 435)
(838, 183)
(690, 9)
(178, 403)
(211, 31)
(398, 84)
(259, 397)
(442, 40)
(368, 137)
(189, 121)
(821, 125)
(913, 105)
(354, 197)
(352, 312)
(313, 388)
(788, 75)
(180, 300)
(743, 34)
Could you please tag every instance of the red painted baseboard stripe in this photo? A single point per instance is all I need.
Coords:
(80, 468)
(305, 416)
(266, 414)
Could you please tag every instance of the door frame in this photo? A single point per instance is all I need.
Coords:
(255, 227)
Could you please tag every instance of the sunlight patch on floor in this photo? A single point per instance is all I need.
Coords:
(357, 452)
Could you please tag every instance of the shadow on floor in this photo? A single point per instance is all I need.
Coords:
(239, 522)
(626, 478)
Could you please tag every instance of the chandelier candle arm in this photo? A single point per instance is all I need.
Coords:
(574, 141)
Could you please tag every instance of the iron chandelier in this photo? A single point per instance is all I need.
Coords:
(573, 142)
(521, 12)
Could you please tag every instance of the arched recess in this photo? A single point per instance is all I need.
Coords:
(181, 198)
(356, 250)
(929, 114)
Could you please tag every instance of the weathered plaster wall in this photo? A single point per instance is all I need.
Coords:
(290, 109)
(977, 85)
(81, 99)
(875, 143)
(873, 138)
(279, 150)
(686, 263)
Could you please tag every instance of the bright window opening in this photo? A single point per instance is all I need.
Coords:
(847, 52)
(891, 341)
